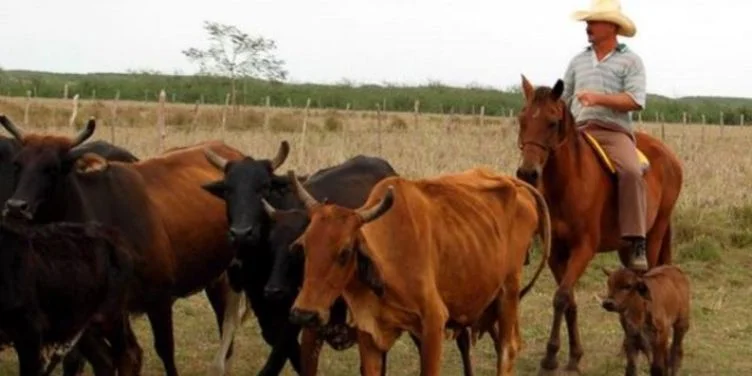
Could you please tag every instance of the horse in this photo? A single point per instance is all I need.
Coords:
(578, 181)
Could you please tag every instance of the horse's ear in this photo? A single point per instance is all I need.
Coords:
(557, 90)
(527, 89)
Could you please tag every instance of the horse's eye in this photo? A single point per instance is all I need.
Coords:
(344, 256)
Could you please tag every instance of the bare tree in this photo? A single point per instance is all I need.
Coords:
(235, 54)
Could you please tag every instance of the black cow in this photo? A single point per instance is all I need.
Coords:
(157, 203)
(9, 147)
(56, 282)
(268, 272)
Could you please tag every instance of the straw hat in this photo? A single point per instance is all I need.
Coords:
(609, 11)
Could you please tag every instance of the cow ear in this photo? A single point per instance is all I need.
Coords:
(367, 272)
(217, 188)
(90, 163)
(642, 289)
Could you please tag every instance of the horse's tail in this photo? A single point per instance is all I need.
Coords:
(544, 229)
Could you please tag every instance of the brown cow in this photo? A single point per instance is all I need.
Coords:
(157, 203)
(651, 304)
(420, 255)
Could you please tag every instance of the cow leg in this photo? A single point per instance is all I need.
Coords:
(660, 353)
(125, 348)
(98, 352)
(160, 318)
(463, 345)
(280, 351)
(294, 354)
(631, 348)
(29, 352)
(73, 363)
(226, 304)
(432, 337)
(310, 348)
(507, 306)
(371, 358)
(677, 352)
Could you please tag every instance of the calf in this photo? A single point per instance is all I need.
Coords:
(58, 282)
(649, 305)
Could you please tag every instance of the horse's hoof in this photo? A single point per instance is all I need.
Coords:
(549, 363)
(573, 368)
(547, 372)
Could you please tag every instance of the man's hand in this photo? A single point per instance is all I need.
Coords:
(622, 102)
(588, 98)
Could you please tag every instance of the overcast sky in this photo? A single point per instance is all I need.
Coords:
(486, 42)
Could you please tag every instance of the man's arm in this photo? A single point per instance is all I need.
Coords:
(631, 99)
(634, 95)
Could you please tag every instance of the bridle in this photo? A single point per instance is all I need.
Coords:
(546, 148)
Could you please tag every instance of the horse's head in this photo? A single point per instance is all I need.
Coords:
(543, 127)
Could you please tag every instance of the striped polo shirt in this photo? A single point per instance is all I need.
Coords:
(620, 71)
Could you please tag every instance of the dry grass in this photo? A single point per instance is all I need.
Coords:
(713, 221)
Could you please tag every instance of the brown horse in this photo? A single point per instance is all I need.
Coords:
(581, 193)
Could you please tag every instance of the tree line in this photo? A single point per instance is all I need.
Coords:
(246, 67)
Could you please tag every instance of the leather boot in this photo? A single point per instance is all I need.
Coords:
(639, 258)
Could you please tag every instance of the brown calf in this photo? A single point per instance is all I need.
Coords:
(650, 304)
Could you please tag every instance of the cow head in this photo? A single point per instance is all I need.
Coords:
(287, 267)
(245, 182)
(544, 121)
(335, 252)
(41, 163)
(626, 290)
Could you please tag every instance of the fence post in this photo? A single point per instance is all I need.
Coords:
(26, 109)
(72, 120)
(161, 131)
(114, 116)
(416, 112)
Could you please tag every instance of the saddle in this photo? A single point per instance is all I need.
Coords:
(603, 156)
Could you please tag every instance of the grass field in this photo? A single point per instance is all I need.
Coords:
(712, 238)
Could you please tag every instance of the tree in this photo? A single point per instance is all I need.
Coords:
(235, 54)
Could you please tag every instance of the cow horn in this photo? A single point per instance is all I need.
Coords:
(308, 200)
(218, 161)
(11, 128)
(85, 133)
(284, 150)
(268, 207)
(368, 215)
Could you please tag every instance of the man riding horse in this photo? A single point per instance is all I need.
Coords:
(602, 84)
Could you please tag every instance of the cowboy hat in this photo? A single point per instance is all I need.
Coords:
(609, 11)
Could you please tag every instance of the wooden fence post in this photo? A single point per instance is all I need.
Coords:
(161, 131)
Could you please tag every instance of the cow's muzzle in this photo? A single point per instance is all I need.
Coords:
(18, 209)
(609, 305)
(243, 235)
(273, 292)
(304, 318)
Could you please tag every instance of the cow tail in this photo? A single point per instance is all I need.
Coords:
(544, 230)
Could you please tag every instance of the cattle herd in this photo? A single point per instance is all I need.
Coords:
(352, 254)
